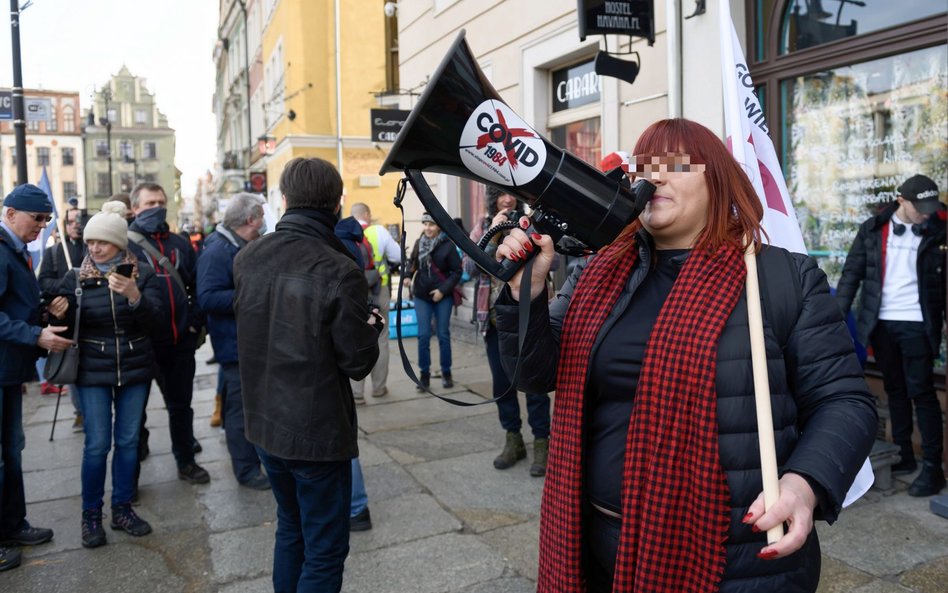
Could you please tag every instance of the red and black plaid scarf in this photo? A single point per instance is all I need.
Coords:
(675, 499)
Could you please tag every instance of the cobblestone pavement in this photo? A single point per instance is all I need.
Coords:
(445, 521)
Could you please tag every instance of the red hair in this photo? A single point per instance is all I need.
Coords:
(734, 210)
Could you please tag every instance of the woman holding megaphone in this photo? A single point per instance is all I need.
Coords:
(653, 480)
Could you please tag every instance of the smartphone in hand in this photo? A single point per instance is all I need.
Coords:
(124, 270)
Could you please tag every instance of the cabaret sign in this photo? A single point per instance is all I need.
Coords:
(575, 86)
(387, 123)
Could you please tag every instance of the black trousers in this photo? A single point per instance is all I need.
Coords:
(176, 381)
(906, 360)
(600, 546)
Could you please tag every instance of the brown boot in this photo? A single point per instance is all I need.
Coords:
(541, 448)
(514, 451)
(216, 419)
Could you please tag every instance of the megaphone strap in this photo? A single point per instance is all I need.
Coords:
(524, 310)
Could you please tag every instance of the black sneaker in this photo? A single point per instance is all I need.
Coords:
(9, 558)
(194, 473)
(27, 536)
(93, 533)
(361, 522)
(125, 519)
(446, 381)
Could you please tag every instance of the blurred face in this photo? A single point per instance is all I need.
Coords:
(26, 225)
(678, 211)
(148, 199)
(431, 230)
(101, 251)
(907, 212)
(506, 202)
(72, 225)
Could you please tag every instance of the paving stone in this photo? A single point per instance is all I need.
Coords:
(411, 413)
(438, 564)
(519, 545)
(242, 553)
(261, 585)
(881, 587)
(403, 519)
(837, 577)
(931, 577)
(388, 480)
(370, 454)
(513, 585)
(443, 440)
(481, 496)
(115, 568)
(237, 507)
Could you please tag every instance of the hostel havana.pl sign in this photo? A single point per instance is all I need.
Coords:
(616, 17)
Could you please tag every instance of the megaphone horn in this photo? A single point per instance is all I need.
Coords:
(461, 127)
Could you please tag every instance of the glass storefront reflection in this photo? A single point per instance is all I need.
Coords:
(851, 135)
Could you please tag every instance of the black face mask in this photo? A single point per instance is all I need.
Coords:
(899, 229)
(152, 220)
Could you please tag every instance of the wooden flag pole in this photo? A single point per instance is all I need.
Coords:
(765, 419)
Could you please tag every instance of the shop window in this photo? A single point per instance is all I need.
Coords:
(582, 138)
(852, 134)
(809, 23)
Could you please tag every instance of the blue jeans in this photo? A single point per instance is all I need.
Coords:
(441, 311)
(97, 402)
(243, 456)
(12, 441)
(312, 536)
(508, 408)
(360, 498)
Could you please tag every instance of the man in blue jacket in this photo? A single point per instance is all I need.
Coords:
(173, 259)
(22, 338)
(243, 223)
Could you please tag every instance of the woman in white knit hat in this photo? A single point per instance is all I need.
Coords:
(119, 302)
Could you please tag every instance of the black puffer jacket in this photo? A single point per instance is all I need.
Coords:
(445, 258)
(114, 339)
(864, 266)
(302, 333)
(824, 417)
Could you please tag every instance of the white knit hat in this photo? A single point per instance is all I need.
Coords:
(108, 225)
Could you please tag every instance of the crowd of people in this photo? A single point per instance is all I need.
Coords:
(645, 345)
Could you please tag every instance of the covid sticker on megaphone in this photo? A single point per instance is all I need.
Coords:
(461, 127)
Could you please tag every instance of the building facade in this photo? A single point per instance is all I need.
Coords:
(128, 141)
(316, 70)
(856, 97)
(53, 142)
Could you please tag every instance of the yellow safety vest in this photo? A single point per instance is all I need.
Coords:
(381, 264)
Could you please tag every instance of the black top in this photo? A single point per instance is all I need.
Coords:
(614, 377)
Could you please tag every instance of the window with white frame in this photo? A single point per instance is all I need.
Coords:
(69, 119)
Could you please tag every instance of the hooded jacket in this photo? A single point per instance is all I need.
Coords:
(302, 333)
(215, 271)
(19, 315)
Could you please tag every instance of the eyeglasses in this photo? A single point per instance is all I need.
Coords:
(39, 217)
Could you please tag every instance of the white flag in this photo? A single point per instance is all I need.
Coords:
(749, 141)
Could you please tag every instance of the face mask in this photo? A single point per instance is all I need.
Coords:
(152, 220)
(263, 227)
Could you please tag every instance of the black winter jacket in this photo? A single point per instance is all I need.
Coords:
(864, 265)
(300, 302)
(824, 416)
(54, 266)
(114, 339)
(180, 306)
(445, 257)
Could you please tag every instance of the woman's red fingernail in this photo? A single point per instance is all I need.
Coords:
(514, 257)
(524, 224)
(523, 253)
(768, 555)
(747, 518)
(536, 236)
(755, 528)
(528, 247)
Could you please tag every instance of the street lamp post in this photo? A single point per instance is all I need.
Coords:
(19, 119)
(104, 121)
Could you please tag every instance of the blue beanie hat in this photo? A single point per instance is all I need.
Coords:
(28, 198)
